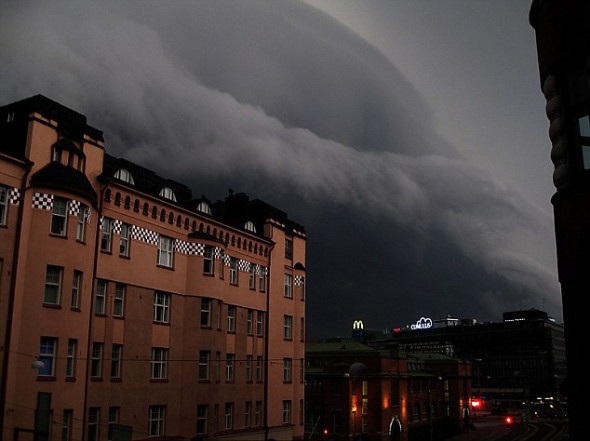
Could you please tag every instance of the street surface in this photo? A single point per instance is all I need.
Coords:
(494, 428)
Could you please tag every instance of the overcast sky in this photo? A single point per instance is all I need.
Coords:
(409, 137)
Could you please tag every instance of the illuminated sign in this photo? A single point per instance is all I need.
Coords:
(358, 325)
(423, 323)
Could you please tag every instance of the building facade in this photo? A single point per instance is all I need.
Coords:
(128, 308)
(361, 392)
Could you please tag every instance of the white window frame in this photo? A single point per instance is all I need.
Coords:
(81, 224)
(47, 355)
(159, 364)
(249, 365)
(59, 216)
(250, 322)
(204, 365)
(230, 360)
(116, 360)
(208, 261)
(233, 271)
(162, 307)
(206, 312)
(157, 421)
(53, 283)
(100, 300)
(202, 412)
(231, 318)
(96, 359)
(3, 204)
(288, 286)
(71, 356)
(125, 240)
(119, 300)
(166, 251)
(93, 424)
(106, 234)
(287, 410)
(228, 416)
(76, 289)
(287, 327)
(287, 370)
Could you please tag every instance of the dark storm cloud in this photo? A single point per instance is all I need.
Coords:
(279, 100)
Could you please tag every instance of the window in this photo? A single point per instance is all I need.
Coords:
(53, 279)
(286, 411)
(217, 365)
(204, 357)
(81, 224)
(159, 364)
(249, 363)
(71, 358)
(208, 260)
(252, 279)
(288, 249)
(106, 234)
(302, 329)
(47, 354)
(250, 322)
(584, 127)
(59, 216)
(124, 241)
(233, 271)
(116, 359)
(221, 263)
(165, 251)
(258, 414)
(261, 279)
(248, 414)
(156, 421)
(161, 307)
(66, 425)
(289, 286)
(259, 368)
(96, 360)
(119, 300)
(260, 324)
(231, 319)
(168, 193)
(124, 176)
(113, 419)
(228, 417)
(76, 287)
(287, 327)
(204, 207)
(202, 419)
(249, 226)
(287, 370)
(229, 367)
(3, 204)
(205, 312)
(93, 423)
(100, 298)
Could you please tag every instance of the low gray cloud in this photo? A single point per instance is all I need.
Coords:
(279, 100)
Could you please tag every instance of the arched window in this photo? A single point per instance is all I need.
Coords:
(124, 175)
(204, 207)
(250, 226)
(168, 193)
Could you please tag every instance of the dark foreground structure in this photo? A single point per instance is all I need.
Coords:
(562, 31)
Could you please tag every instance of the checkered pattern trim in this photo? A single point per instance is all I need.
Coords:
(88, 214)
(117, 226)
(190, 248)
(74, 208)
(144, 235)
(43, 201)
(244, 265)
(299, 280)
(14, 196)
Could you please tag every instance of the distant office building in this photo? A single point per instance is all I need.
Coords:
(520, 359)
(356, 391)
(129, 308)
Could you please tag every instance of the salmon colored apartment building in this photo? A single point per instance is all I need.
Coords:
(130, 310)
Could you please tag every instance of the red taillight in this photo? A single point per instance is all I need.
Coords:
(508, 420)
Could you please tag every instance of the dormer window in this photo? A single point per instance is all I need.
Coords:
(67, 153)
(249, 226)
(124, 176)
(204, 207)
(168, 193)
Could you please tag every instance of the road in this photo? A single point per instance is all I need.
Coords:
(493, 428)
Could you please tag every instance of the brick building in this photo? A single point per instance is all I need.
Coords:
(127, 307)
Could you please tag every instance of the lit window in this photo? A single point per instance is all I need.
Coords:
(3, 204)
(96, 360)
(165, 251)
(204, 357)
(47, 354)
(106, 234)
(119, 300)
(168, 193)
(59, 216)
(159, 364)
(204, 207)
(161, 307)
(124, 176)
(156, 421)
(53, 280)
(249, 226)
